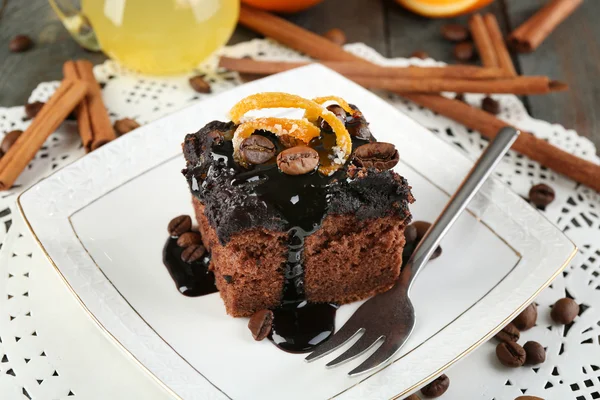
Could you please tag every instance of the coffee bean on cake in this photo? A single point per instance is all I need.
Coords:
(526, 320)
(454, 32)
(541, 195)
(339, 112)
(260, 324)
(380, 155)
(257, 149)
(180, 225)
(534, 353)
(298, 160)
(199, 84)
(510, 354)
(188, 239)
(9, 139)
(32, 109)
(564, 311)
(436, 388)
(193, 253)
(509, 333)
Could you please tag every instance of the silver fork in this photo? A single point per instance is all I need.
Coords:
(389, 318)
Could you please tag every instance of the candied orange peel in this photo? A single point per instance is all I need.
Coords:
(340, 102)
(257, 101)
(299, 128)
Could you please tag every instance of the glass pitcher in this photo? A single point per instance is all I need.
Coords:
(151, 36)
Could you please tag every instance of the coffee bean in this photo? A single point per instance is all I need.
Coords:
(410, 234)
(419, 54)
(534, 353)
(189, 238)
(32, 109)
(199, 84)
(288, 141)
(526, 320)
(193, 253)
(564, 311)
(464, 51)
(436, 388)
(20, 43)
(510, 354)
(125, 125)
(339, 112)
(490, 105)
(180, 225)
(298, 160)
(260, 324)
(454, 32)
(336, 35)
(9, 139)
(541, 195)
(257, 149)
(421, 228)
(509, 333)
(380, 155)
(358, 127)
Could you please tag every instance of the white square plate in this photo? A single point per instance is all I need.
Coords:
(102, 222)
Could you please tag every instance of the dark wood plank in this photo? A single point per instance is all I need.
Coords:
(571, 53)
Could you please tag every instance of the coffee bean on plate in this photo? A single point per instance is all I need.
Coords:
(193, 253)
(541, 195)
(464, 51)
(180, 225)
(336, 35)
(20, 43)
(199, 84)
(510, 354)
(490, 105)
(125, 125)
(298, 160)
(509, 333)
(9, 139)
(32, 109)
(380, 155)
(420, 54)
(260, 324)
(436, 388)
(534, 353)
(564, 311)
(189, 238)
(257, 149)
(454, 32)
(526, 320)
(339, 112)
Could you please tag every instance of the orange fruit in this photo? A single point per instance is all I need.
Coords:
(282, 6)
(442, 8)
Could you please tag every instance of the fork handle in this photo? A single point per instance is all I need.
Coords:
(457, 203)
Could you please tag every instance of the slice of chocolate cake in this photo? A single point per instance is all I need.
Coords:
(297, 209)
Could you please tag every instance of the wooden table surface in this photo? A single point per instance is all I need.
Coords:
(571, 53)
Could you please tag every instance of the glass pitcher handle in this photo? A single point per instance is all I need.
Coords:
(76, 23)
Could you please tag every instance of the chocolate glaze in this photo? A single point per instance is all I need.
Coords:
(238, 197)
(192, 279)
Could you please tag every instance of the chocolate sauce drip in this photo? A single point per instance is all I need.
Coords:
(192, 279)
(299, 327)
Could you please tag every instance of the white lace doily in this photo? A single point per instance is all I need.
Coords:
(36, 363)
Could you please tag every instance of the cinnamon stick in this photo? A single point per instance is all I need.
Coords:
(353, 68)
(82, 111)
(483, 41)
(99, 122)
(539, 150)
(53, 113)
(529, 35)
(502, 54)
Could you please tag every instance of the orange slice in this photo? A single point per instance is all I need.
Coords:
(442, 8)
